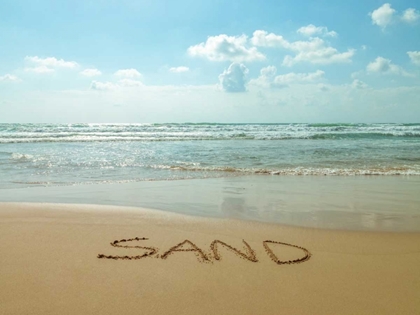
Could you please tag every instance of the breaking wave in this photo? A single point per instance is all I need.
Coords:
(34, 133)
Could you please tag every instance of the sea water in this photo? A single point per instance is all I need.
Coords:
(76, 154)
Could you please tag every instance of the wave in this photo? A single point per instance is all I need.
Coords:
(28, 133)
(192, 138)
(21, 157)
(297, 171)
(33, 133)
(216, 172)
(16, 156)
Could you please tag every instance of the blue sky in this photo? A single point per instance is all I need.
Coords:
(219, 61)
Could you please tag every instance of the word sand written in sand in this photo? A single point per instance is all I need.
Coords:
(249, 253)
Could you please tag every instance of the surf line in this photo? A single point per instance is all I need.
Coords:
(247, 252)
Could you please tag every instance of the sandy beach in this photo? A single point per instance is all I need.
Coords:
(50, 265)
(209, 157)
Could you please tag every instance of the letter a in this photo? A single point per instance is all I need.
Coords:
(176, 248)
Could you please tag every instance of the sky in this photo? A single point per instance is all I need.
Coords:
(137, 61)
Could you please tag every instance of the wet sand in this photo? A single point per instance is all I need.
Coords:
(80, 259)
(372, 203)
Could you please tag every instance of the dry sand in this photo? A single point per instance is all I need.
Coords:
(49, 265)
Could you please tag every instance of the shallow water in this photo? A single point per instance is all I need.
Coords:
(72, 154)
(379, 203)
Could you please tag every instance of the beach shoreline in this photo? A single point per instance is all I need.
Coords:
(382, 203)
(50, 265)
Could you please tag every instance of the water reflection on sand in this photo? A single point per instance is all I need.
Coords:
(385, 203)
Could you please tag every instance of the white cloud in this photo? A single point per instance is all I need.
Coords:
(325, 55)
(40, 69)
(266, 77)
(121, 84)
(357, 84)
(179, 69)
(385, 66)
(91, 72)
(226, 48)
(10, 78)
(48, 65)
(103, 86)
(315, 50)
(51, 62)
(410, 15)
(324, 87)
(130, 83)
(269, 79)
(415, 57)
(386, 15)
(357, 74)
(293, 77)
(311, 30)
(128, 73)
(263, 39)
(234, 78)
(269, 71)
(383, 16)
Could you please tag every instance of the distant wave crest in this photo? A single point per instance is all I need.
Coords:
(33, 133)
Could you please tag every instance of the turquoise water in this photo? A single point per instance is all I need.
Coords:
(72, 154)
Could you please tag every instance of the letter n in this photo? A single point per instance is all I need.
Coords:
(250, 253)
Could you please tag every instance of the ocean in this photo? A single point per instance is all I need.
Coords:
(78, 154)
